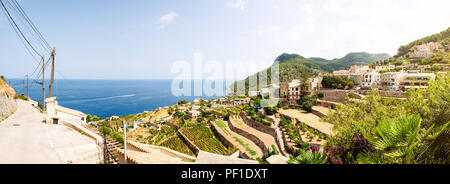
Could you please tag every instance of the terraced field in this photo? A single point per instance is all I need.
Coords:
(267, 139)
(323, 110)
(242, 143)
(177, 144)
(309, 119)
(204, 139)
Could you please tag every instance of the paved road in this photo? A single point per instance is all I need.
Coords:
(25, 139)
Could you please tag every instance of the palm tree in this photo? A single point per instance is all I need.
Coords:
(402, 140)
(309, 157)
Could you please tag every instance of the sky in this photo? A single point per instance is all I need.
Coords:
(141, 39)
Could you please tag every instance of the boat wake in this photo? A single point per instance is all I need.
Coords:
(102, 98)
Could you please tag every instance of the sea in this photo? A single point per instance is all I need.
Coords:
(106, 98)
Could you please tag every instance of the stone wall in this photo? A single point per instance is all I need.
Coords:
(392, 94)
(135, 146)
(265, 129)
(258, 126)
(335, 95)
(8, 104)
(188, 142)
(318, 113)
(225, 141)
(249, 136)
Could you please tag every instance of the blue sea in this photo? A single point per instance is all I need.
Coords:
(106, 98)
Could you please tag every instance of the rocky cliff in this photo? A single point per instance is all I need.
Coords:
(8, 104)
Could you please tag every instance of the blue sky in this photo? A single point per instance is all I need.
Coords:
(140, 39)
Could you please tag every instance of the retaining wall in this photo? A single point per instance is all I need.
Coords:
(164, 150)
(190, 144)
(8, 104)
(249, 136)
(225, 141)
(263, 128)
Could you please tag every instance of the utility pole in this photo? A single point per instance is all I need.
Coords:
(53, 74)
(27, 86)
(43, 85)
(125, 140)
(105, 148)
(23, 88)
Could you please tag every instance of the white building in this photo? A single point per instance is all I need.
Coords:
(389, 67)
(241, 101)
(391, 80)
(371, 80)
(294, 91)
(416, 80)
(194, 113)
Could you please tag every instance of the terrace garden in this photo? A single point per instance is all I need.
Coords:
(204, 138)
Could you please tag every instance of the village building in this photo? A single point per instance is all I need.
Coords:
(425, 50)
(371, 80)
(316, 83)
(294, 91)
(386, 67)
(357, 79)
(198, 101)
(284, 89)
(341, 73)
(416, 80)
(241, 101)
(356, 69)
(391, 80)
(194, 113)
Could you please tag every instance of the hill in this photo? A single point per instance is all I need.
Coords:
(294, 66)
(354, 58)
(442, 38)
(431, 50)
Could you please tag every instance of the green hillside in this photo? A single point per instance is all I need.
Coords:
(294, 66)
(441, 56)
(354, 58)
(442, 38)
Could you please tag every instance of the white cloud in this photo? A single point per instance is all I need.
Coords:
(333, 28)
(167, 19)
(242, 38)
(239, 4)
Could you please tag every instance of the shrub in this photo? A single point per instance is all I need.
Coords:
(21, 97)
(227, 117)
(320, 95)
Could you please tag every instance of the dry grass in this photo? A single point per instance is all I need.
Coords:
(6, 88)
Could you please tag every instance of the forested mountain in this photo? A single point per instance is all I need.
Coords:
(354, 58)
(294, 66)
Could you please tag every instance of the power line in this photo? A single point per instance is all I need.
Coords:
(20, 38)
(18, 29)
(24, 23)
(31, 24)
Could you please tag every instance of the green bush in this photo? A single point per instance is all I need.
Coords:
(21, 97)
